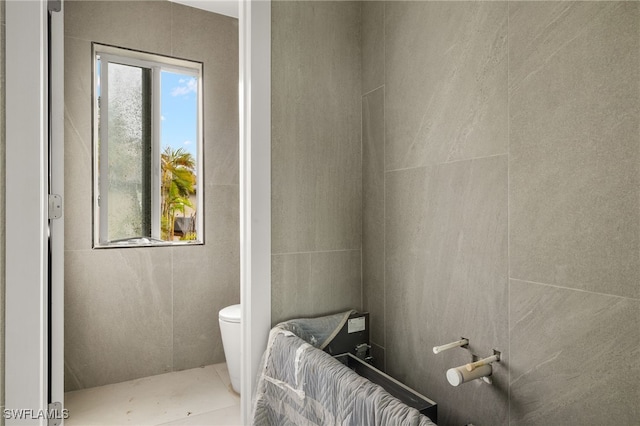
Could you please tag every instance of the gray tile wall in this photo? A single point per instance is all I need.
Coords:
(500, 183)
(316, 158)
(574, 101)
(136, 312)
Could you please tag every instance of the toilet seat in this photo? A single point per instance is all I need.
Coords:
(230, 314)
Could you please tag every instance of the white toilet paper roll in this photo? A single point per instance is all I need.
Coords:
(459, 375)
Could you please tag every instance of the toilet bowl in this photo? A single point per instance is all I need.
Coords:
(229, 319)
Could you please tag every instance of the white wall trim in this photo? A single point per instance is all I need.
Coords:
(255, 190)
(26, 207)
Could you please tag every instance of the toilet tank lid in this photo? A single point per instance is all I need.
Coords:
(230, 313)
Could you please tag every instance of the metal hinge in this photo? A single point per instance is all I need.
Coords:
(54, 5)
(55, 206)
(55, 414)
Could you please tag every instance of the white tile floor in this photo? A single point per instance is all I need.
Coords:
(200, 396)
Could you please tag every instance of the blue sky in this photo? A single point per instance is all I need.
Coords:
(179, 112)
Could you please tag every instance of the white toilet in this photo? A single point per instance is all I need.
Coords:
(229, 319)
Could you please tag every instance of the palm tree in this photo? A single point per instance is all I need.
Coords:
(178, 182)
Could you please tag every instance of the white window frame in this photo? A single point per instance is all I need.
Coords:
(157, 64)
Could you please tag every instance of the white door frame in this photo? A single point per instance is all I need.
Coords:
(57, 187)
(27, 208)
(26, 254)
(255, 191)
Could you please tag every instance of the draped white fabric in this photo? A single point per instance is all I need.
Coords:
(300, 384)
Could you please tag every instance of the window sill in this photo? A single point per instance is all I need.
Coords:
(145, 242)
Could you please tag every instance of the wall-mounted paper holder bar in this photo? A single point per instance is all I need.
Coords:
(462, 342)
(481, 369)
(493, 358)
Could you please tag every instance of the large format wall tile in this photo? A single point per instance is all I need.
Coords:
(574, 357)
(118, 317)
(216, 44)
(569, 93)
(145, 23)
(372, 45)
(313, 284)
(78, 154)
(205, 280)
(373, 211)
(446, 278)
(445, 77)
(316, 155)
(574, 159)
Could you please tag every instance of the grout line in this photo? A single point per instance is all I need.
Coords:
(172, 7)
(575, 289)
(371, 91)
(215, 368)
(362, 177)
(447, 163)
(384, 186)
(508, 228)
(316, 251)
(638, 190)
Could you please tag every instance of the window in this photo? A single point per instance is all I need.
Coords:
(147, 149)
